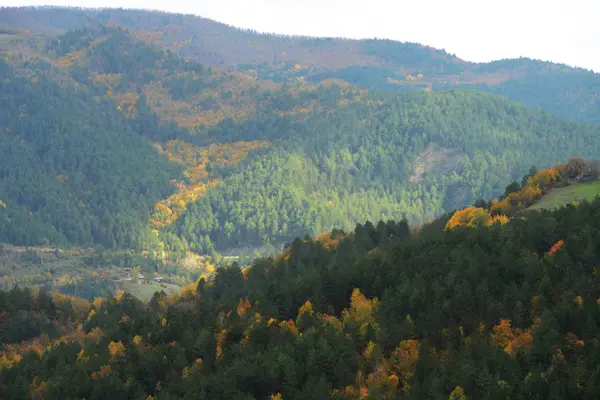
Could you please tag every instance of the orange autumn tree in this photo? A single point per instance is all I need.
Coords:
(556, 247)
(531, 191)
(474, 216)
(517, 200)
(544, 178)
(329, 239)
(403, 361)
(510, 339)
(512, 203)
(242, 307)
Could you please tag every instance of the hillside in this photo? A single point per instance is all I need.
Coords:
(375, 64)
(572, 194)
(415, 156)
(246, 163)
(68, 174)
(382, 312)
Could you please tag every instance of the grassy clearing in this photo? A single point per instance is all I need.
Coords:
(57, 269)
(146, 291)
(27, 265)
(566, 195)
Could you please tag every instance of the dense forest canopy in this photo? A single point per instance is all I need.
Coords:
(263, 162)
(508, 310)
(162, 140)
(72, 170)
(361, 162)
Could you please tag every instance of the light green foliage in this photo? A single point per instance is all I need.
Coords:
(355, 165)
(571, 194)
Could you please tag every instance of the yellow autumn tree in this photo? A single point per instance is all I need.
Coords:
(306, 317)
(81, 356)
(457, 394)
(361, 311)
(97, 302)
(474, 216)
(403, 362)
(116, 350)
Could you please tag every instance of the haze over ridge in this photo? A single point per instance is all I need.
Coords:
(547, 30)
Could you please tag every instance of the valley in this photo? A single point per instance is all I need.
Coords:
(189, 210)
(239, 163)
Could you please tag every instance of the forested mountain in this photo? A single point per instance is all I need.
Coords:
(263, 162)
(375, 64)
(410, 156)
(508, 310)
(166, 135)
(71, 169)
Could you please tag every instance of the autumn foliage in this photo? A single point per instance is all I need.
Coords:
(514, 202)
(329, 239)
(556, 247)
(474, 216)
(199, 180)
(534, 187)
(511, 339)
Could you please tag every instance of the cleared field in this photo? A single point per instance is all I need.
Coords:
(566, 195)
(70, 272)
(147, 290)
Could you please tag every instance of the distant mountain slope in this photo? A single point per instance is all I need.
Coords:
(71, 169)
(410, 156)
(264, 162)
(187, 97)
(377, 64)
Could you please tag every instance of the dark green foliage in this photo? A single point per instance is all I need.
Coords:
(24, 315)
(72, 170)
(445, 289)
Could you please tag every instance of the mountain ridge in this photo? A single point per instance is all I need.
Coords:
(269, 35)
(373, 64)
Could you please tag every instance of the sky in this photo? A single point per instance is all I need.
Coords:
(476, 30)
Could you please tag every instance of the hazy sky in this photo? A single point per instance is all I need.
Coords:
(566, 31)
